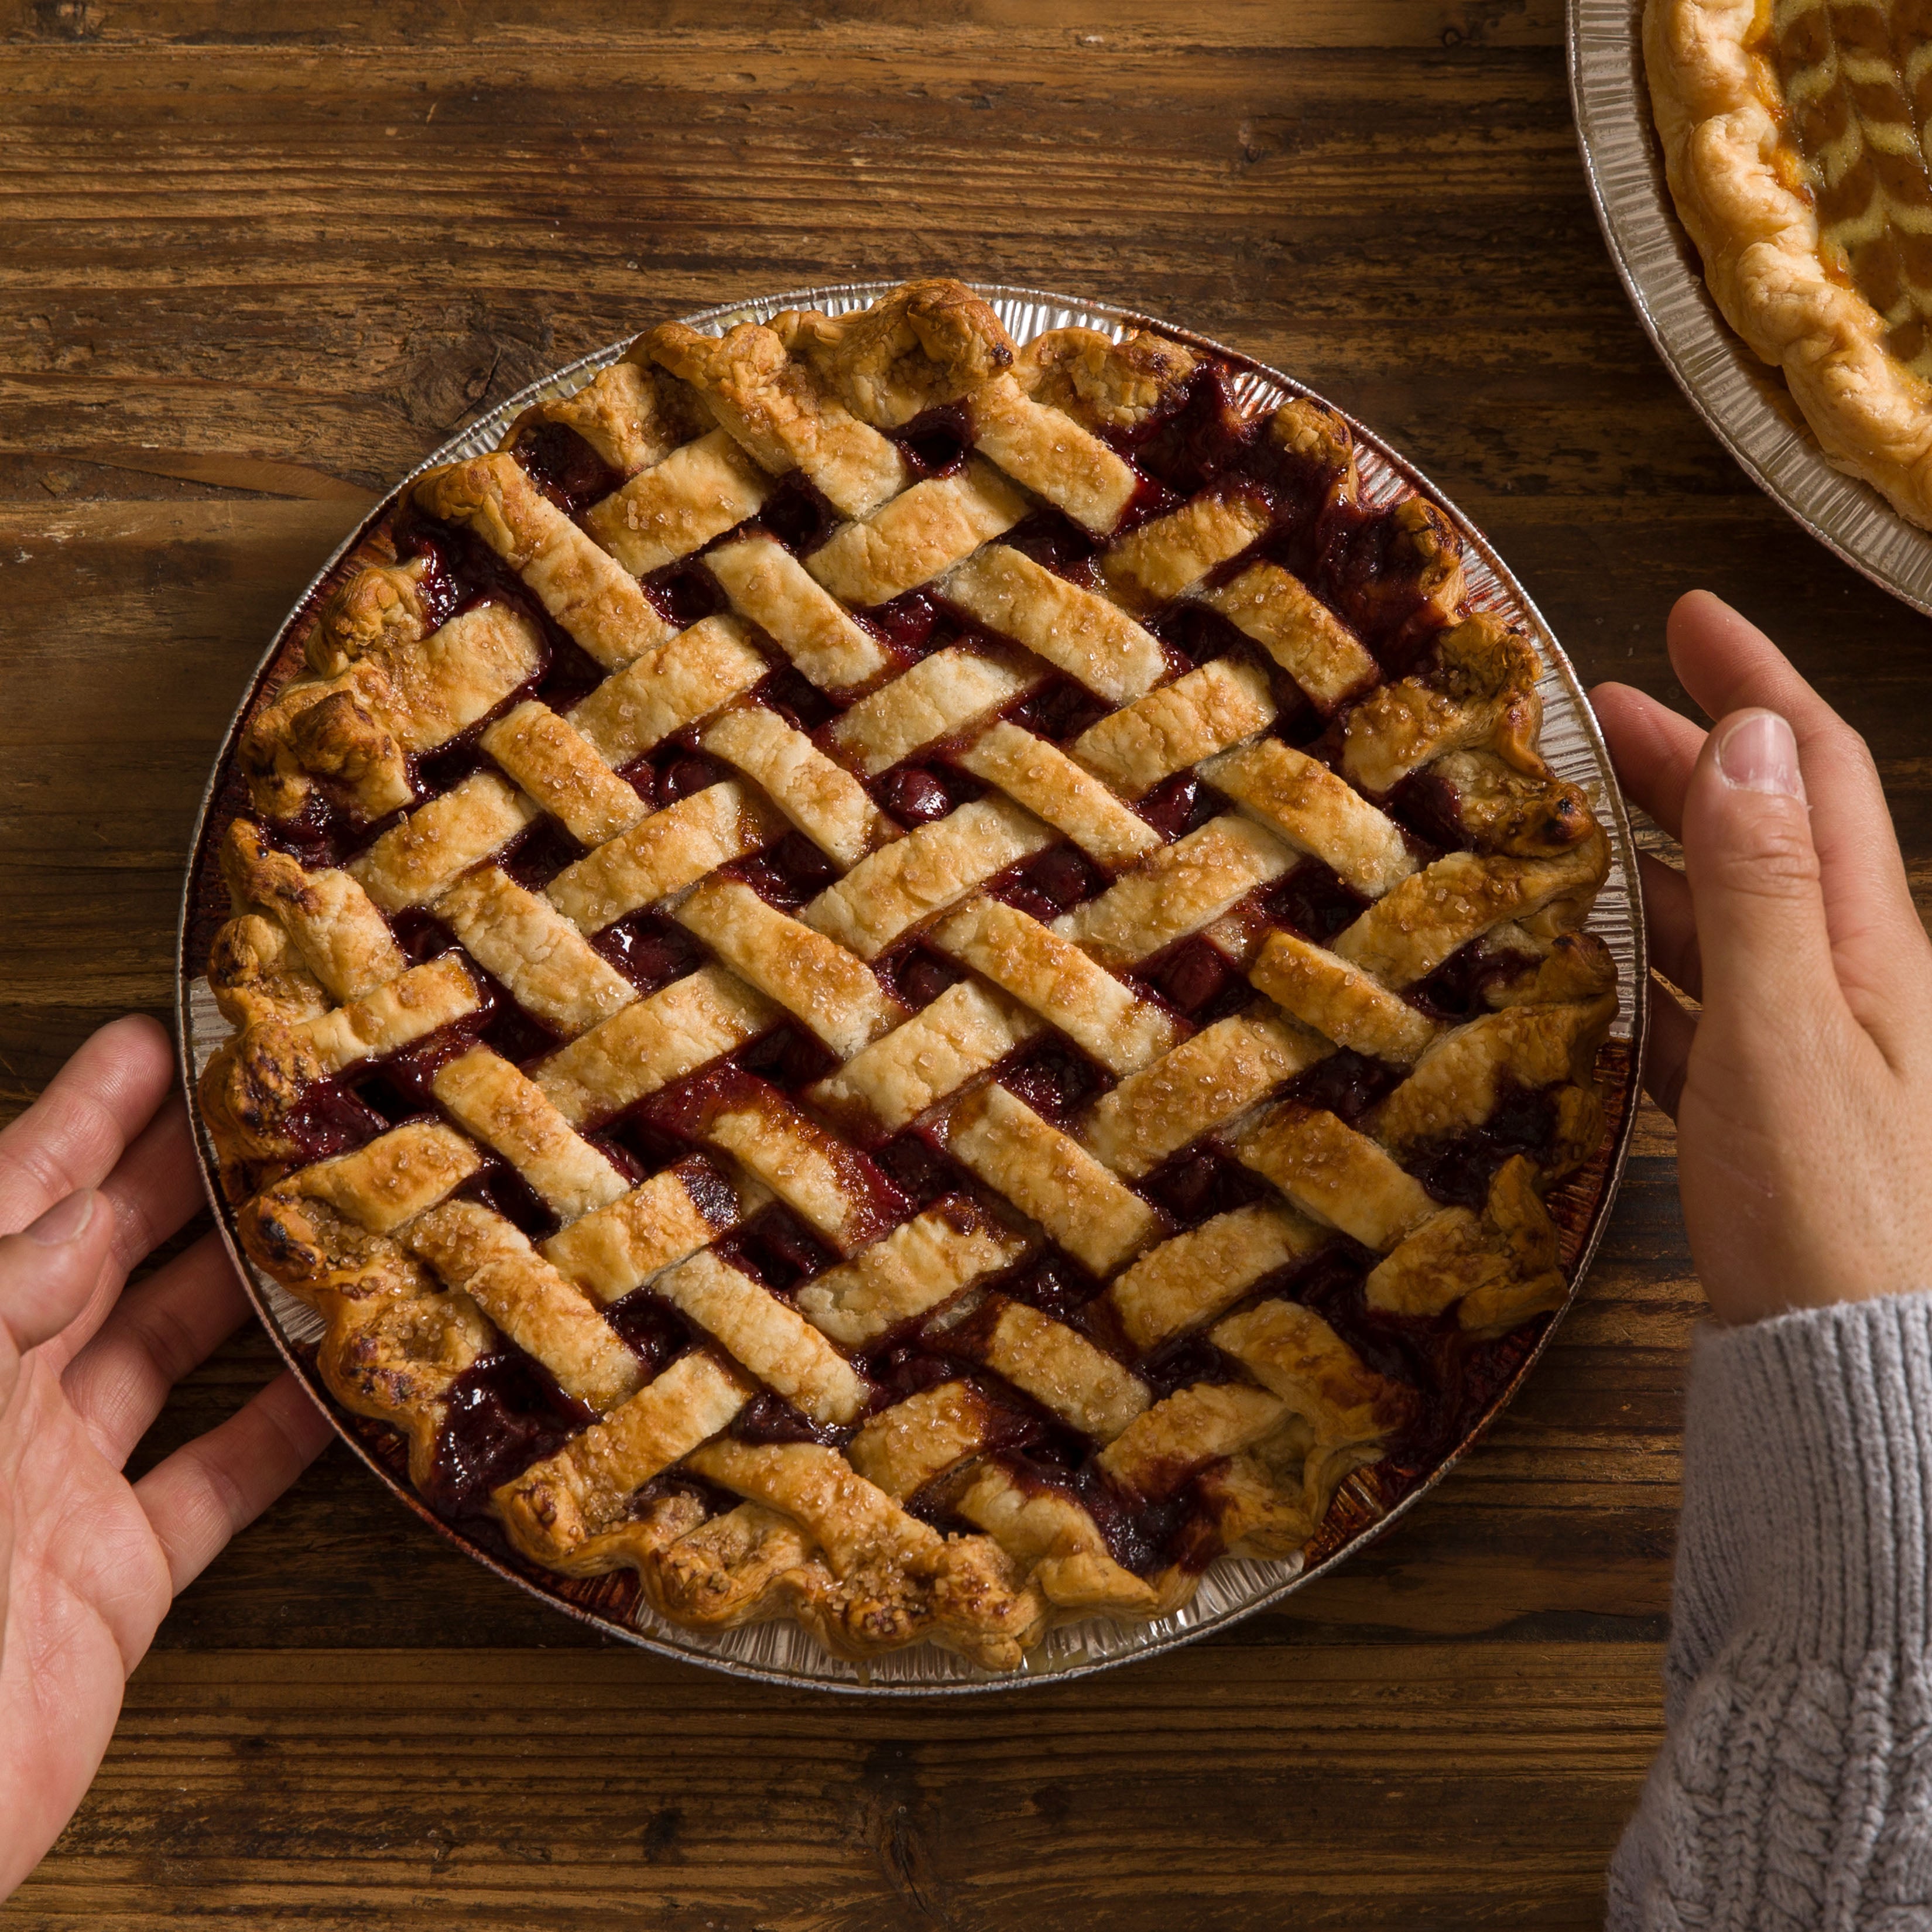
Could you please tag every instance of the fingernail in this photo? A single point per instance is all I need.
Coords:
(1758, 753)
(65, 1221)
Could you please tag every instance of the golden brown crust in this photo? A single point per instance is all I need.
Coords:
(926, 344)
(1317, 440)
(1481, 690)
(377, 609)
(633, 415)
(1070, 1076)
(1495, 1271)
(404, 694)
(1745, 196)
(1102, 384)
(781, 415)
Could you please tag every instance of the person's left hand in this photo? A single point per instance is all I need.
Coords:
(95, 1173)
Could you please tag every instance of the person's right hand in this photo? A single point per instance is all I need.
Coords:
(96, 1172)
(1802, 1091)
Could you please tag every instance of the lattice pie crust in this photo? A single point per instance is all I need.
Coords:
(905, 982)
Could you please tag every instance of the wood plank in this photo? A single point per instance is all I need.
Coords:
(853, 30)
(318, 1788)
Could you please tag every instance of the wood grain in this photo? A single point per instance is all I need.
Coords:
(788, 1811)
(254, 261)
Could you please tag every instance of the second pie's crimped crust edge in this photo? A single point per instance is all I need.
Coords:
(782, 1650)
(1746, 402)
(1760, 240)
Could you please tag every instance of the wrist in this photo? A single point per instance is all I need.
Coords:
(1808, 1472)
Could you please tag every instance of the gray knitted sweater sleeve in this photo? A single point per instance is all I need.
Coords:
(1794, 1789)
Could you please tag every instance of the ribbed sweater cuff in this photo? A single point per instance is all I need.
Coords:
(1807, 1481)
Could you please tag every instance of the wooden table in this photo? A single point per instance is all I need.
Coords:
(257, 261)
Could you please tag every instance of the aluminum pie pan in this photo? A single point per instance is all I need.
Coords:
(781, 1651)
(1743, 400)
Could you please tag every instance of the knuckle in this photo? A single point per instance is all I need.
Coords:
(225, 1495)
(1850, 744)
(1776, 861)
(34, 1174)
(165, 1342)
(138, 1228)
(1840, 759)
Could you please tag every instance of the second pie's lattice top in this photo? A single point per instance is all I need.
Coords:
(905, 981)
(1857, 98)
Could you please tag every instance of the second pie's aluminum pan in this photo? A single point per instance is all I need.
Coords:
(1743, 400)
(782, 1651)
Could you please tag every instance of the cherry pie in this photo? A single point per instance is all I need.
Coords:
(885, 978)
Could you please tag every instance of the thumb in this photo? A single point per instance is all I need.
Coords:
(1753, 872)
